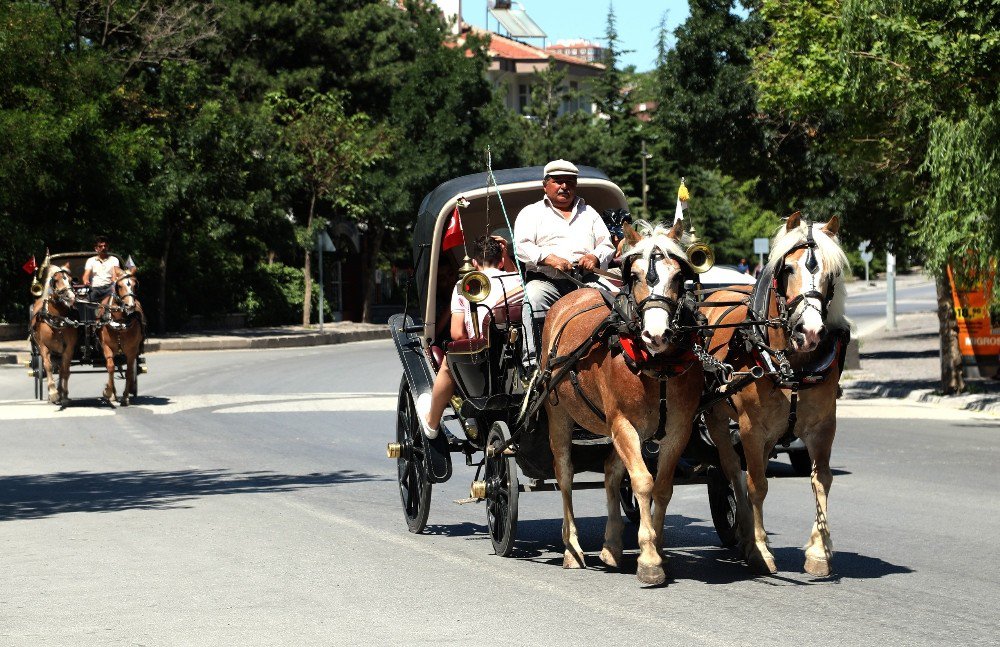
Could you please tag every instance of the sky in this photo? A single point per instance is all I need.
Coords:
(637, 22)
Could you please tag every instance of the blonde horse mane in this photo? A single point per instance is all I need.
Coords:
(654, 237)
(832, 257)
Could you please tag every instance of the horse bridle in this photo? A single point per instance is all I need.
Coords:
(632, 310)
(120, 300)
(787, 307)
(58, 294)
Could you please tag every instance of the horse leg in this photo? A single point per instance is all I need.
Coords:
(47, 364)
(717, 421)
(614, 470)
(561, 440)
(629, 448)
(130, 366)
(64, 368)
(757, 554)
(819, 549)
(109, 362)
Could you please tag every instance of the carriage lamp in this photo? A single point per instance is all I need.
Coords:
(478, 490)
(700, 256)
(393, 450)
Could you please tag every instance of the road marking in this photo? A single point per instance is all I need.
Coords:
(898, 409)
(218, 402)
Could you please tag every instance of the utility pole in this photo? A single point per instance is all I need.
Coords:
(645, 187)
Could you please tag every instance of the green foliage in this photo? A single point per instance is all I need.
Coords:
(274, 295)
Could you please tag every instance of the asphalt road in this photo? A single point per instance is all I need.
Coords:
(866, 306)
(246, 499)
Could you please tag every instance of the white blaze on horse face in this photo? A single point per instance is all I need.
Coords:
(810, 309)
(128, 284)
(656, 320)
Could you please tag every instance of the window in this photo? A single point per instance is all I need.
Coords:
(523, 97)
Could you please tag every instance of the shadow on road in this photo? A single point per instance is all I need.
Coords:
(36, 496)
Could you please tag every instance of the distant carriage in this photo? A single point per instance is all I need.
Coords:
(88, 321)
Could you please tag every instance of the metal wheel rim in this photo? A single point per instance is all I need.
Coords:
(409, 465)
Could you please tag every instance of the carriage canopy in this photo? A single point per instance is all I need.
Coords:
(490, 208)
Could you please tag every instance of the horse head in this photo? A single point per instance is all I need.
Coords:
(125, 287)
(808, 266)
(654, 268)
(59, 287)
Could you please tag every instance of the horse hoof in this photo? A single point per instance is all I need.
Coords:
(818, 567)
(571, 560)
(651, 575)
(611, 558)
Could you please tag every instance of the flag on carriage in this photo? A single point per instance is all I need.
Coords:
(454, 236)
(30, 266)
(682, 201)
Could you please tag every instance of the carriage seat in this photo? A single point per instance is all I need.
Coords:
(502, 316)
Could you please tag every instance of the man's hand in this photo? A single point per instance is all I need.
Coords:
(589, 262)
(557, 262)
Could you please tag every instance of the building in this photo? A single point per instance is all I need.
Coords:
(579, 48)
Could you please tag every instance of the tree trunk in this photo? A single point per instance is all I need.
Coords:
(161, 315)
(307, 267)
(373, 247)
(952, 380)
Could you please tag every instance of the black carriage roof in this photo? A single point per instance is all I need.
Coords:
(433, 202)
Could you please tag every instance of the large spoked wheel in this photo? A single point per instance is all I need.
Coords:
(414, 486)
(501, 491)
(38, 371)
(722, 502)
(630, 505)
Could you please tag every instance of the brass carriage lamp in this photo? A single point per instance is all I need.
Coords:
(474, 286)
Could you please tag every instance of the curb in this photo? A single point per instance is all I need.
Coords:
(981, 402)
(280, 341)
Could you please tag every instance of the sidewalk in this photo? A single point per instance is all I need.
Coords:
(18, 352)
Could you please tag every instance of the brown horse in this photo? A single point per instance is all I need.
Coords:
(605, 396)
(122, 334)
(801, 294)
(52, 331)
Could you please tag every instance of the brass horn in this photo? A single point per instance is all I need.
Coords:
(701, 257)
(473, 284)
(36, 289)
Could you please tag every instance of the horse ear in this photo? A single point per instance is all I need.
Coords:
(631, 235)
(832, 227)
(793, 221)
(677, 230)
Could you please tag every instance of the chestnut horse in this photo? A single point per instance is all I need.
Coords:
(607, 397)
(122, 334)
(801, 295)
(52, 331)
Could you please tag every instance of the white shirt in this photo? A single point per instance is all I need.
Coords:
(501, 283)
(101, 272)
(540, 230)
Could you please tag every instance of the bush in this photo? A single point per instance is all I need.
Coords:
(274, 296)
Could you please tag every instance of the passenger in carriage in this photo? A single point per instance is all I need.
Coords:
(505, 287)
(101, 271)
(551, 236)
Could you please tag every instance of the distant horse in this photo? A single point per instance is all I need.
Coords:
(122, 334)
(636, 388)
(52, 331)
(801, 295)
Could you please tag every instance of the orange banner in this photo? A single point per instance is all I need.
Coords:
(978, 340)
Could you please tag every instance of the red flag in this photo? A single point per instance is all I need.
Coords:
(30, 266)
(453, 237)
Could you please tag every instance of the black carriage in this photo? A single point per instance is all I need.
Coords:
(510, 452)
(88, 356)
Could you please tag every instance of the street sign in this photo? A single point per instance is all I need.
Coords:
(761, 245)
(863, 245)
(323, 242)
(867, 257)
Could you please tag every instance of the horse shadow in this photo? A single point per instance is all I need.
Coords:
(37, 496)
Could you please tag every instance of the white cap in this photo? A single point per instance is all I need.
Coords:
(560, 167)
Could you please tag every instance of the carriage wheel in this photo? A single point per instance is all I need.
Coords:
(501, 492)
(801, 463)
(722, 502)
(39, 371)
(414, 486)
(630, 505)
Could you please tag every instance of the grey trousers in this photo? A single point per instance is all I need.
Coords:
(539, 295)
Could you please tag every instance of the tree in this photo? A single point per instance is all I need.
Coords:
(907, 84)
(330, 150)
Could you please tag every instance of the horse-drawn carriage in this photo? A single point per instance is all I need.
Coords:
(69, 332)
(513, 418)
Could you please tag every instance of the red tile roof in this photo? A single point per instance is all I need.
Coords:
(503, 47)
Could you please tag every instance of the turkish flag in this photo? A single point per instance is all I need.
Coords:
(30, 266)
(453, 237)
